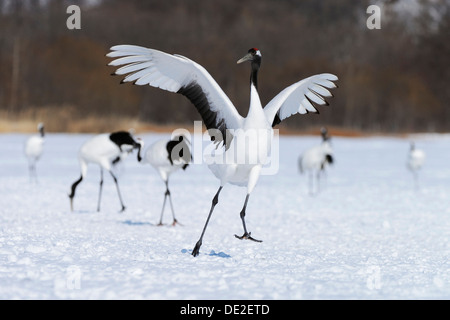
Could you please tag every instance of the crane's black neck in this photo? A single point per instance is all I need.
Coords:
(256, 64)
(123, 137)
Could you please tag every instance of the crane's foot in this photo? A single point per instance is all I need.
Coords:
(175, 222)
(196, 250)
(247, 236)
(122, 210)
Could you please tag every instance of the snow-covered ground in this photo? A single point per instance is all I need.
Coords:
(368, 235)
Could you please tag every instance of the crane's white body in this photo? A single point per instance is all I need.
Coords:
(415, 161)
(102, 151)
(249, 150)
(313, 159)
(314, 162)
(157, 156)
(33, 149)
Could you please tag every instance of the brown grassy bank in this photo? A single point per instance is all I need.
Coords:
(68, 120)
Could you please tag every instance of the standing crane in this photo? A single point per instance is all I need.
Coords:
(315, 160)
(34, 146)
(167, 157)
(415, 161)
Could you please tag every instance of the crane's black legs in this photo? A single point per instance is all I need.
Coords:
(118, 191)
(72, 193)
(215, 200)
(100, 190)
(167, 194)
(246, 234)
(164, 205)
(75, 184)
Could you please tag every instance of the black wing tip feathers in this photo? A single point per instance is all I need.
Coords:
(313, 104)
(325, 102)
(276, 120)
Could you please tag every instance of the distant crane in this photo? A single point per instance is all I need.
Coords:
(415, 161)
(105, 150)
(315, 160)
(34, 147)
(248, 138)
(168, 156)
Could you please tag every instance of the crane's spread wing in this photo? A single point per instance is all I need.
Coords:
(175, 73)
(300, 97)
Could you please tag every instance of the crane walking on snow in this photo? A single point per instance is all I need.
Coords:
(247, 138)
(105, 150)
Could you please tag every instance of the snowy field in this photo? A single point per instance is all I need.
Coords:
(369, 234)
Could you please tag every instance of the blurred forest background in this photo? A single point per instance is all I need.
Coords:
(392, 80)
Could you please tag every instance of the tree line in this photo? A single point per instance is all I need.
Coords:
(392, 79)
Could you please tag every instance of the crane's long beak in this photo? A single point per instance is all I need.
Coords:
(247, 57)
